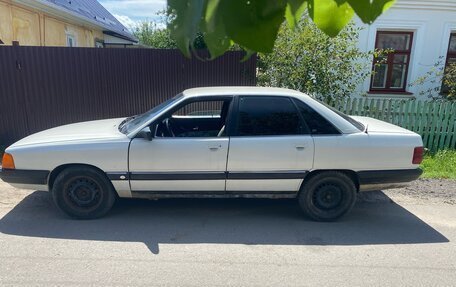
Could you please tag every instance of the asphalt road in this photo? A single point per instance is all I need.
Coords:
(384, 241)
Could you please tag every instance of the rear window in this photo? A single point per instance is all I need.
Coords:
(317, 124)
(349, 119)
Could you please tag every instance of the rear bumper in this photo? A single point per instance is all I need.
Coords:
(21, 176)
(384, 179)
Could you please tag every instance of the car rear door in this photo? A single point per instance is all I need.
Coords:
(271, 149)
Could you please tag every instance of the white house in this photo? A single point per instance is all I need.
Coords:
(422, 33)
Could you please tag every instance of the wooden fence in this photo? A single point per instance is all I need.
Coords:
(434, 121)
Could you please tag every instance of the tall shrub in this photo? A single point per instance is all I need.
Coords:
(306, 59)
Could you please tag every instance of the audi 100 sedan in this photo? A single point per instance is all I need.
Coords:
(218, 142)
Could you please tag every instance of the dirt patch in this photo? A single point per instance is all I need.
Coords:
(422, 191)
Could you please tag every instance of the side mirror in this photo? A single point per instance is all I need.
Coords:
(145, 134)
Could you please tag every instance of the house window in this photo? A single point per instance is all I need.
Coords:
(390, 71)
(99, 44)
(451, 58)
(71, 41)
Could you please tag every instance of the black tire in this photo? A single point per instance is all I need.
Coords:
(83, 192)
(327, 196)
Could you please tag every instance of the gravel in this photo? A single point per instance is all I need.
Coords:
(421, 191)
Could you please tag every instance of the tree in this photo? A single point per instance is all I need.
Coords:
(254, 24)
(439, 81)
(308, 60)
(449, 82)
(149, 34)
(155, 36)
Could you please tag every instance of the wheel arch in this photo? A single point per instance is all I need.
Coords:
(56, 171)
(350, 173)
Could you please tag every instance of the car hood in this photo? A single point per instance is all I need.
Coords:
(84, 131)
(374, 125)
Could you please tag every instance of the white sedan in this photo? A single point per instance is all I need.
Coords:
(218, 142)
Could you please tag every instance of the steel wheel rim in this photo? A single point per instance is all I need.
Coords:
(83, 193)
(327, 196)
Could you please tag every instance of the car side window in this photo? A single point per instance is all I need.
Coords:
(317, 124)
(209, 109)
(202, 118)
(268, 116)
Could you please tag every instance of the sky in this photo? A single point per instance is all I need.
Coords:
(129, 12)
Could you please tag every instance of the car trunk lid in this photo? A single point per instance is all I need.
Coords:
(378, 126)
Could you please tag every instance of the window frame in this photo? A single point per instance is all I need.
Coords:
(73, 39)
(390, 63)
(449, 55)
(153, 125)
(233, 118)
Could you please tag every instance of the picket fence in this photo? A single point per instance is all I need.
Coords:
(435, 121)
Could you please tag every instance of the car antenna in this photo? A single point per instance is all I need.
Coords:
(365, 130)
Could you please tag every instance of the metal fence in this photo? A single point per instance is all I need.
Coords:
(435, 121)
(43, 87)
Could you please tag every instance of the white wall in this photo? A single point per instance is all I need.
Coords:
(432, 22)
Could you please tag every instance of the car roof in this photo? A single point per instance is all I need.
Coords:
(241, 90)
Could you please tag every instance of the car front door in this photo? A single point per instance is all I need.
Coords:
(271, 148)
(187, 154)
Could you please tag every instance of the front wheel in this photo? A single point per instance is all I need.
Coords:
(327, 196)
(83, 192)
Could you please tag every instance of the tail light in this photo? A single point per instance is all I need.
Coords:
(8, 161)
(418, 153)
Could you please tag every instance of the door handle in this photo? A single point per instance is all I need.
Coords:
(300, 147)
(214, 148)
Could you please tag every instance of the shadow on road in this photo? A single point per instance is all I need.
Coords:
(226, 221)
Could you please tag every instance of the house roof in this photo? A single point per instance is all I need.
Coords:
(94, 12)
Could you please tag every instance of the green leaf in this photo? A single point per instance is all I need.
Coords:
(213, 30)
(253, 23)
(369, 10)
(186, 21)
(294, 11)
(330, 16)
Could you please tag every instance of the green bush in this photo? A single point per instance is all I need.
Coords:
(441, 81)
(449, 82)
(441, 164)
(306, 59)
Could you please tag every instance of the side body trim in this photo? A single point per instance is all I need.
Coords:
(268, 175)
(177, 175)
(205, 175)
(211, 194)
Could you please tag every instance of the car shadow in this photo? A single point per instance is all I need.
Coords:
(222, 221)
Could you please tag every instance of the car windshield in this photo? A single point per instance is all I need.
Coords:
(130, 124)
(349, 119)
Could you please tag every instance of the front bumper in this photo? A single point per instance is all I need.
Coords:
(22, 176)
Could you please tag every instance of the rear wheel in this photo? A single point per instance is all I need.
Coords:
(83, 192)
(327, 196)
